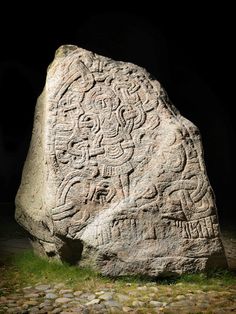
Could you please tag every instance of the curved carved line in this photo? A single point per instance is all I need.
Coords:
(139, 121)
(67, 188)
(72, 75)
(65, 182)
(201, 190)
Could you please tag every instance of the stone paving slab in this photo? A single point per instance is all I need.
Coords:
(141, 299)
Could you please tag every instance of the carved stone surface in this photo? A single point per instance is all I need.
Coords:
(115, 176)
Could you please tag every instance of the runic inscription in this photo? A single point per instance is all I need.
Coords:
(123, 171)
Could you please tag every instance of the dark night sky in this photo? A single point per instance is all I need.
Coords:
(189, 49)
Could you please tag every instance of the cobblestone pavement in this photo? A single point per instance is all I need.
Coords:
(147, 298)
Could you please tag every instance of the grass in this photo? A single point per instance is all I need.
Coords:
(26, 269)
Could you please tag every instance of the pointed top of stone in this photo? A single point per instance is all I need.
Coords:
(115, 176)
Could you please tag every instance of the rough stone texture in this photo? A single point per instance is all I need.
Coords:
(115, 176)
(166, 299)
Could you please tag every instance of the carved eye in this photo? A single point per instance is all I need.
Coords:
(98, 104)
(62, 154)
(62, 103)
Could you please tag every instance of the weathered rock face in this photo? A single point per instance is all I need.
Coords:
(115, 176)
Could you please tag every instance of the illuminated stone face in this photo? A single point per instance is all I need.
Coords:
(114, 168)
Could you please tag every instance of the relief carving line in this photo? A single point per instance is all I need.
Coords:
(106, 112)
(115, 175)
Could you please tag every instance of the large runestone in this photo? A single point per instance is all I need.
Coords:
(115, 177)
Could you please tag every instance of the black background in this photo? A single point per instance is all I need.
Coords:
(188, 48)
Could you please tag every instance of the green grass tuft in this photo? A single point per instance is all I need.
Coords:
(217, 275)
(26, 269)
